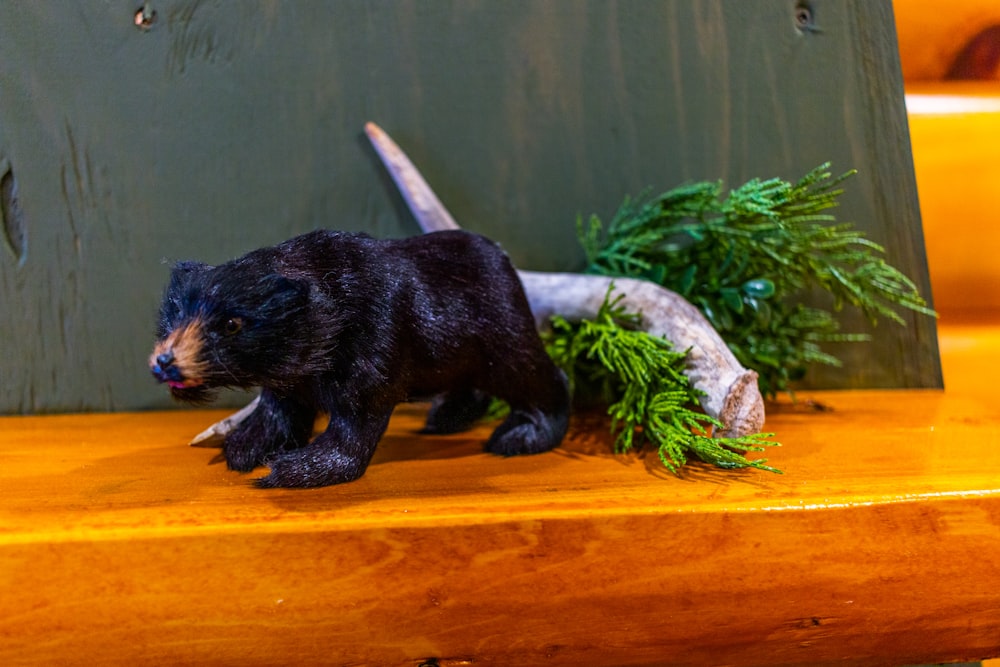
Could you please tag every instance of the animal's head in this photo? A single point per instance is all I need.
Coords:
(225, 326)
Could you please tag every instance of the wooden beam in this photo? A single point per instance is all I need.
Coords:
(879, 544)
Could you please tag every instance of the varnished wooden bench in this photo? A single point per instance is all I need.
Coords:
(879, 545)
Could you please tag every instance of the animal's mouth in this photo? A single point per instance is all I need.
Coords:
(184, 384)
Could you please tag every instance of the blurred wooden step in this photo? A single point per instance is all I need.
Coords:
(955, 132)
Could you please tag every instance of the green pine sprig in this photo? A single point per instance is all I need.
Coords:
(745, 258)
(641, 378)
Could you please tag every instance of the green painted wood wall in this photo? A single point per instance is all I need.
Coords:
(222, 126)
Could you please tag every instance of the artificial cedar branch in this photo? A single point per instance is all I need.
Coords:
(642, 380)
(744, 258)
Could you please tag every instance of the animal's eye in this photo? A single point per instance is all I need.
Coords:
(233, 326)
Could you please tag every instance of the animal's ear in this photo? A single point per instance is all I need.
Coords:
(176, 296)
(184, 270)
(187, 266)
(282, 294)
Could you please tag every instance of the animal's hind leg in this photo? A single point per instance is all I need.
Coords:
(456, 411)
(539, 416)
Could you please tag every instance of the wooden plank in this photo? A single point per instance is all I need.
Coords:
(956, 138)
(227, 126)
(879, 545)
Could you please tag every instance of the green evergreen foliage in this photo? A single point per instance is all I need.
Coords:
(641, 378)
(745, 259)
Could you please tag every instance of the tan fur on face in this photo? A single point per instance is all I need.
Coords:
(186, 342)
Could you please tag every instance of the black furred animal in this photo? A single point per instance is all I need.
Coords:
(348, 325)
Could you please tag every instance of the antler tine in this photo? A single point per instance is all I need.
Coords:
(430, 213)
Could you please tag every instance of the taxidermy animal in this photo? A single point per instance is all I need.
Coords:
(347, 325)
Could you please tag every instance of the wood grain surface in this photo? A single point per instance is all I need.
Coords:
(880, 543)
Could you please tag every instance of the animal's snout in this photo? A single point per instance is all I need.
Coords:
(176, 359)
(162, 366)
(165, 359)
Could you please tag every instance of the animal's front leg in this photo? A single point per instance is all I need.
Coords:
(276, 425)
(339, 454)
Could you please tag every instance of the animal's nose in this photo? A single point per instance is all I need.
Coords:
(165, 359)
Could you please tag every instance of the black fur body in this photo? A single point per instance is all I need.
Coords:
(350, 326)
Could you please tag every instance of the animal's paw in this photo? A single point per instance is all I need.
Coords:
(456, 411)
(243, 450)
(310, 467)
(276, 425)
(527, 432)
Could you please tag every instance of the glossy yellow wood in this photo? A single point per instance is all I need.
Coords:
(955, 132)
(879, 545)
